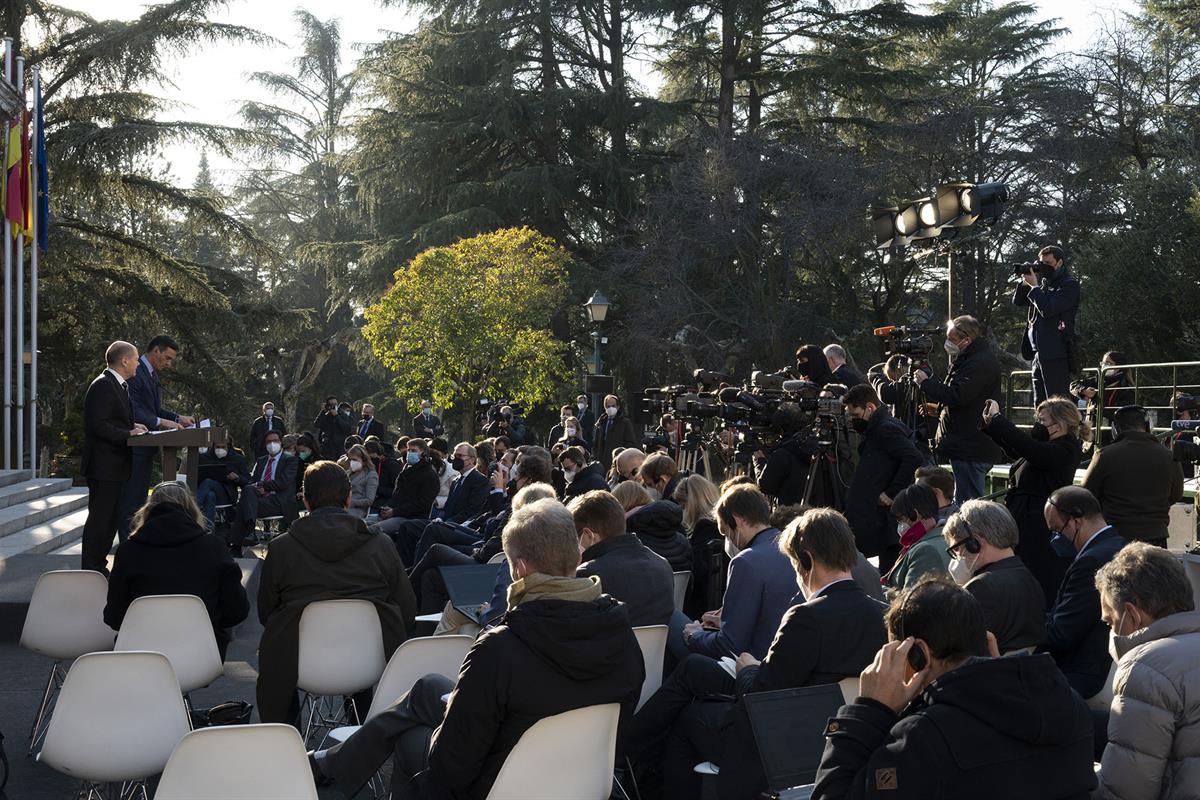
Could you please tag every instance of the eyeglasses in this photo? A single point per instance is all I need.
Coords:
(959, 519)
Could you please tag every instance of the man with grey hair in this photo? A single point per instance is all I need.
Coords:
(1152, 752)
(980, 538)
(843, 373)
(562, 645)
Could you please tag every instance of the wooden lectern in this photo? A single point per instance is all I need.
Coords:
(170, 442)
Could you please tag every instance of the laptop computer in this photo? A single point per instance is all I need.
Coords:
(470, 587)
(789, 729)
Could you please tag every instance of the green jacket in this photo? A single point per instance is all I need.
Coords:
(927, 556)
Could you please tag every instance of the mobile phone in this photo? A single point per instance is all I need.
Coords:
(916, 658)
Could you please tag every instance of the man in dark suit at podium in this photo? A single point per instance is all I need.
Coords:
(145, 392)
(107, 425)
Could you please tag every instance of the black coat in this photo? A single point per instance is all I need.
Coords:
(784, 474)
(373, 427)
(417, 487)
(1039, 469)
(427, 428)
(991, 729)
(633, 574)
(547, 656)
(1052, 309)
(848, 376)
(468, 495)
(219, 469)
(587, 424)
(1075, 634)
(973, 379)
(586, 479)
(258, 432)
(389, 469)
(613, 433)
(660, 527)
(833, 636)
(1013, 607)
(706, 545)
(171, 554)
(332, 430)
(887, 461)
(1136, 480)
(107, 421)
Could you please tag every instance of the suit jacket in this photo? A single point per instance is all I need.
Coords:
(886, 462)
(1052, 308)
(1075, 634)
(468, 494)
(282, 483)
(427, 428)
(633, 574)
(373, 427)
(258, 432)
(145, 392)
(107, 420)
(611, 434)
(848, 376)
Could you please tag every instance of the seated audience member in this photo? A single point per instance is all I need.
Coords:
(439, 449)
(468, 497)
(922, 551)
(308, 453)
(169, 551)
(981, 728)
(760, 586)
(387, 467)
(485, 456)
(416, 487)
(327, 555)
(941, 481)
(1075, 634)
(661, 473)
(865, 574)
(1135, 479)
(364, 480)
(627, 569)
(697, 495)
(1152, 749)
(580, 476)
(289, 443)
(563, 645)
(270, 492)
(632, 496)
(347, 443)
(625, 465)
(660, 527)
(222, 474)
(980, 538)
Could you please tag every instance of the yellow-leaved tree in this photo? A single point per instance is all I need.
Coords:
(472, 320)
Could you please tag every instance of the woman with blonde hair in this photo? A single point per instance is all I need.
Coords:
(170, 551)
(1045, 459)
(364, 480)
(631, 495)
(697, 495)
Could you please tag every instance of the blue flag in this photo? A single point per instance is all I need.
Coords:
(42, 177)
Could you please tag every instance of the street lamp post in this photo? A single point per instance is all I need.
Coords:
(597, 310)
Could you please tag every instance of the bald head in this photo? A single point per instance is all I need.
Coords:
(122, 358)
(628, 461)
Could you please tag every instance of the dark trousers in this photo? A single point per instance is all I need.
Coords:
(406, 535)
(430, 587)
(249, 508)
(1051, 377)
(104, 505)
(402, 731)
(133, 494)
(696, 678)
(696, 737)
(462, 539)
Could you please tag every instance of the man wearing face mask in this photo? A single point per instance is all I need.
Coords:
(587, 420)
(271, 492)
(937, 719)
(614, 430)
(332, 427)
(580, 476)
(426, 425)
(1155, 637)
(267, 422)
(1118, 392)
(368, 425)
(974, 376)
(223, 472)
(1051, 293)
(557, 432)
(1075, 634)
(979, 540)
(887, 460)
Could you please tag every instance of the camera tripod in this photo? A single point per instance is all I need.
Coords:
(824, 463)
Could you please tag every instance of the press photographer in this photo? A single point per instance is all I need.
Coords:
(974, 377)
(782, 470)
(908, 350)
(1185, 433)
(1051, 293)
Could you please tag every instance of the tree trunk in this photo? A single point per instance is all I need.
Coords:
(728, 73)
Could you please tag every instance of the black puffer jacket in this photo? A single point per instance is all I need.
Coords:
(587, 479)
(660, 527)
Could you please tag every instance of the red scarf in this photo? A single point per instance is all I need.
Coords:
(910, 537)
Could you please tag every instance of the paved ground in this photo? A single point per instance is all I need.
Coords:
(22, 678)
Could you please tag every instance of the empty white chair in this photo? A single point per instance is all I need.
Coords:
(415, 658)
(681, 586)
(849, 688)
(340, 654)
(64, 621)
(653, 641)
(568, 756)
(242, 761)
(118, 718)
(178, 626)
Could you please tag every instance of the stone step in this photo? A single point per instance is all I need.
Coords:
(31, 490)
(31, 513)
(58, 533)
(10, 476)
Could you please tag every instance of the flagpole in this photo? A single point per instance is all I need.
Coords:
(20, 276)
(35, 178)
(8, 344)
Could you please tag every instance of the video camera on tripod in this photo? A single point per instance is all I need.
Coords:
(912, 344)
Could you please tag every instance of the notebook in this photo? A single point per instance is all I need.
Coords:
(789, 729)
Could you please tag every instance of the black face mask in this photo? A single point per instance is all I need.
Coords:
(366, 415)
(859, 424)
(1039, 432)
(457, 463)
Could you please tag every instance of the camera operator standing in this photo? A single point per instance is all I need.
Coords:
(1051, 293)
(890, 381)
(782, 474)
(974, 377)
(887, 462)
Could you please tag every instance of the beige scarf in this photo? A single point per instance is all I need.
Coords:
(539, 586)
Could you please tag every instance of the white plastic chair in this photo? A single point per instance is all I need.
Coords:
(340, 654)
(682, 579)
(64, 621)
(415, 658)
(118, 718)
(653, 641)
(178, 626)
(242, 761)
(849, 688)
(568, 756)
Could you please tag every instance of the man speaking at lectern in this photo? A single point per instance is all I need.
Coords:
(145, 392)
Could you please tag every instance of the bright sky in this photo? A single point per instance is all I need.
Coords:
(211, 84)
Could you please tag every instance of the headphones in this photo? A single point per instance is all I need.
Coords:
(968, 543)
(916, 656)
(1074, 512)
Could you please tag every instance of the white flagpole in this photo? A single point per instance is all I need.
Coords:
(35, 131)
(8, 343)
(20, 276)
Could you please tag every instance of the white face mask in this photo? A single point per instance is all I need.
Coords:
(203, 450)
(951, 348)
(581, 406)
(270, 412)
(731, 549)
(274, 447)
(220, 452)
(1112, 639)
(569, 474)
(570, 431)
(902, 528)
(610, 410)
(961, 570)
(355, 465)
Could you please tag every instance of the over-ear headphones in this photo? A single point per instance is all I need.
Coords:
(968, 542)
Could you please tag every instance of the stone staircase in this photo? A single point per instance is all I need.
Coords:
(39, 515)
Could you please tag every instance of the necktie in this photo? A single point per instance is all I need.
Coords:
(269, 421)
(269, 472)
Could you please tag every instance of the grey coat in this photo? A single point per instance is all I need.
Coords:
(1153, 750)
(363, 486)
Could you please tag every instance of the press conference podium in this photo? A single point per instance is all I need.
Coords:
(170, 442)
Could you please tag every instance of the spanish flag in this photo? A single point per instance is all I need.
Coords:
(16, 180)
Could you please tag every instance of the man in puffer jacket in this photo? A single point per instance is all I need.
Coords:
(660, 527)
(1153, 750)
